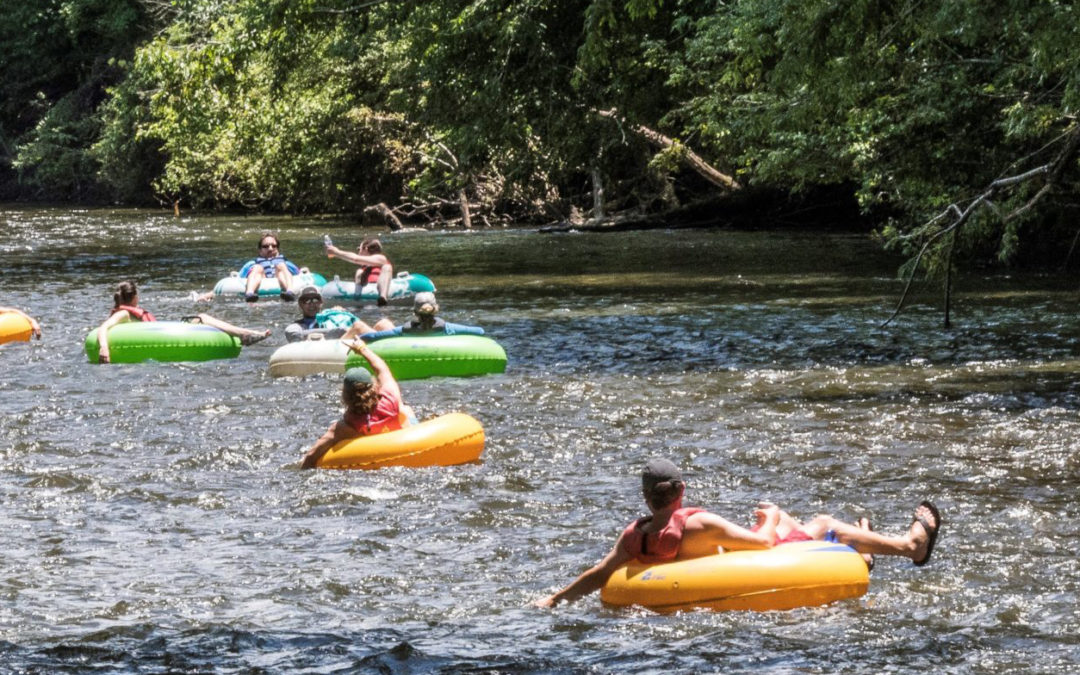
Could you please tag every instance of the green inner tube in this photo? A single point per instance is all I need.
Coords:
(138, 341)
(416, 357)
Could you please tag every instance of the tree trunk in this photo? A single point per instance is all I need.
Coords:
(597, 194)
(466, 216)
(948, 282)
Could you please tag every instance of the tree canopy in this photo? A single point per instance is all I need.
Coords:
(526, 110)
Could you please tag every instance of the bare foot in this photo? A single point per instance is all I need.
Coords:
(251, 338)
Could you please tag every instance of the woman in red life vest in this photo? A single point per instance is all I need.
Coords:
(126, 308)
(676, 533)
(35, 328)
(269, 262)
(375, 267)
(373, 405)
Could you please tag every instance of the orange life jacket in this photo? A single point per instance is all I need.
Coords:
(385, 417)
(369, 274)
(136, 313)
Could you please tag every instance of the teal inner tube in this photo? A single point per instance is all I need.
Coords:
(234, 284)
(138, 341)
(402, 287)
(417, 357)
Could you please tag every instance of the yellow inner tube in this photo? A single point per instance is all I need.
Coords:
(14, 328)
(802, 574)
(455, 438)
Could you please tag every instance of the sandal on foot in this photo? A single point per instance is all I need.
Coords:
(251, 297)
(249, 339)
(288, 296)
(382, 302)
(931, 532)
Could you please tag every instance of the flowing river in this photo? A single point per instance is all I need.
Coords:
(155, 518)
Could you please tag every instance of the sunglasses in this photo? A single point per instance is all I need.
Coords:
(310, 299)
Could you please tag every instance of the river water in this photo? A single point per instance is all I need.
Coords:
(155, 519)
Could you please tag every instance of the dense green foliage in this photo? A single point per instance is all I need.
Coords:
(334, 105)
(56, 58)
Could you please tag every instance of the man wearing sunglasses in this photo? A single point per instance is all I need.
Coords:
(332, 324)
(269, 263)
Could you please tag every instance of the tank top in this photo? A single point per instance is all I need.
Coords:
(656, 547)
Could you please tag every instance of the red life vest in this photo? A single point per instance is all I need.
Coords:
(369, 274)
(656, 547)
(136, 313)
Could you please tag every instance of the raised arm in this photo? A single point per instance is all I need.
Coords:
(355, 258)
(382, 371)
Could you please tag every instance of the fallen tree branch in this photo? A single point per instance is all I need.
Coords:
(387, 214)
(703, 168)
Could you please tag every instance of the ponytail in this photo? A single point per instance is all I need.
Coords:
(663, 494)
(125, 293)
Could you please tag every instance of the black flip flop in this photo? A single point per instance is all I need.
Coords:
(931, 532)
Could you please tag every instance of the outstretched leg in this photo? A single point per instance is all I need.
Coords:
(915, 544)
(360, 328)
(246, 335)
(868, 558)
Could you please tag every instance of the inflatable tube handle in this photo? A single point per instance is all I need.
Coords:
(234, 274)
(402, 275)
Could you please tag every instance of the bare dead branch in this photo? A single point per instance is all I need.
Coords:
(1053, 170)
(387, 214)
(703, 168)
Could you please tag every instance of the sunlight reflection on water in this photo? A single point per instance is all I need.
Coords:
(156, 517)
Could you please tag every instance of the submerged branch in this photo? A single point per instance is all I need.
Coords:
(1052, 170)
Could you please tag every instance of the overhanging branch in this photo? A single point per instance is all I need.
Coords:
(1053, 170)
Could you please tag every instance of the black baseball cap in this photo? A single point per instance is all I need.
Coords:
(659, 470)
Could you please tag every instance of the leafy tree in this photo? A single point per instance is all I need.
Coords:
(58, 56)
(919, 105)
